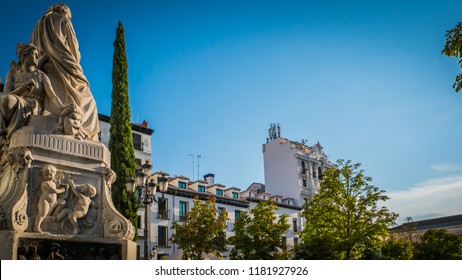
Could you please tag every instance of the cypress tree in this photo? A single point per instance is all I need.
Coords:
(121, 141)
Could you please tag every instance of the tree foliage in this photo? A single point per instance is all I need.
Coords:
(453, 47)
(397, 249)
(438, 244)
(344, 217)
(258, 234)
(203, 231)
(120, 141)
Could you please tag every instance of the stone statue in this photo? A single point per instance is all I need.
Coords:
(49, 195)
(83, 195)
(49, 131)
(25, 90)
(70, 122)
(54, 35)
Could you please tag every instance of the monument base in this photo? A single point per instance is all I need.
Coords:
(13, 244)
(71, 208)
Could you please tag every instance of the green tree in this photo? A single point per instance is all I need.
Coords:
(453, 47)
(397, 249)
(438, 244)
(318, 248)
(120, 141)
(344, 216)
(203, 231)
(258, 234)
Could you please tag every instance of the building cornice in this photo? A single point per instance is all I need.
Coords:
(135, 127)
(256, 199)
(172, 190)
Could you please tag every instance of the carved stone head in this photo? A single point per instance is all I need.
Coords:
(48, 172)
(25, 49)
(62, 9)
(88, 190)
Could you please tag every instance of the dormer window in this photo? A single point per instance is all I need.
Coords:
(219, 192)
(182, 185)
(235, 195)
(201, 188)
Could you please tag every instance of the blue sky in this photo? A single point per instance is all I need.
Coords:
(364, 78)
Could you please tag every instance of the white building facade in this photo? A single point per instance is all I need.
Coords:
(179, 199)
(141, 135)
(293, 169)
(292, 174)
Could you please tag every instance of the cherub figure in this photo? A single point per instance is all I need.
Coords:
(49, 195)
(84, 194)
(70, 122)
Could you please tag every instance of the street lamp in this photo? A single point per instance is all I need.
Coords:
(147, 188)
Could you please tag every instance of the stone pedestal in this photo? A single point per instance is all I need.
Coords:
(33, 148)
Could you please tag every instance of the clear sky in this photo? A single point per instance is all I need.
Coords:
(364, 78)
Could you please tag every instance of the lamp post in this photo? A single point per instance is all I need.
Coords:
(147, 188)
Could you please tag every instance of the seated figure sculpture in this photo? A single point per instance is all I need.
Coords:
(25, 90)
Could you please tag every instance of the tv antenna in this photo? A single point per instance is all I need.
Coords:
(192, 157)
(198, 157)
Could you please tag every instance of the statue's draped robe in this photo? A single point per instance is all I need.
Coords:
(54, 35)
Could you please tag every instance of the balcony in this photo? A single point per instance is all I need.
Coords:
(162, 242)
(163, 214)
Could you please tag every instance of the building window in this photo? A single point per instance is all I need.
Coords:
(201, 188)
(304, 183)
(235, 195)
(137, 144)
(294, 225)
(182, 185)
(237, 215)
(138, 163)
(138, 220)
(163, 208)
(138, 192)
(303, 167)
(219, 192)
(220, 210)
(138, 252)
(296, 242)
(183, 210)
(162, 238)
(320, 173)
(284, 243)
(314, 173)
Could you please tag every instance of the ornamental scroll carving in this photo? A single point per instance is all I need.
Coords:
(115, 224)
(13, 189)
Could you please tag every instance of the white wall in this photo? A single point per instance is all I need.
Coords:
(281, 170)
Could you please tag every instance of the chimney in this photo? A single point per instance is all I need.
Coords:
(210, 178)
